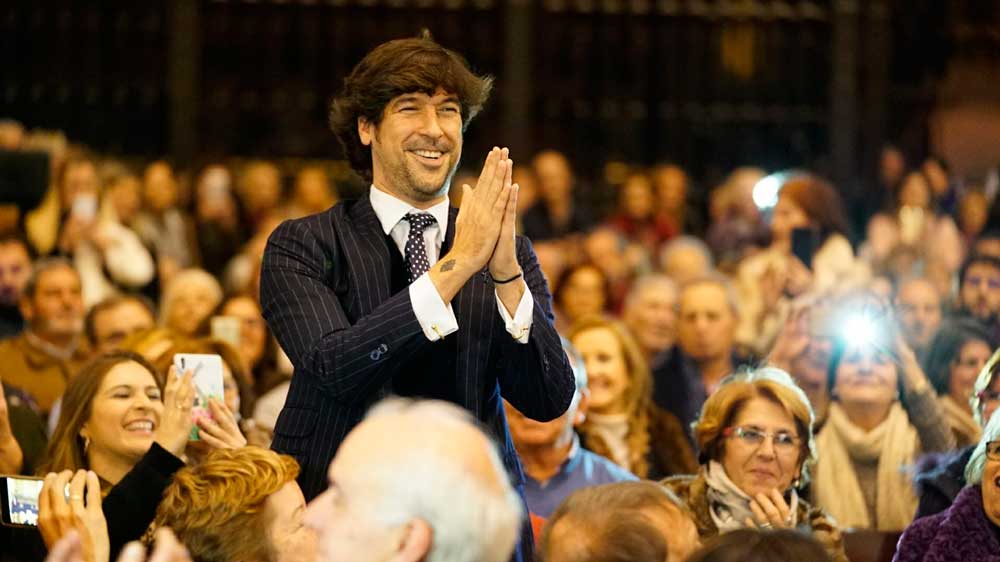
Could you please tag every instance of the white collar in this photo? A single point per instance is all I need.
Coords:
(390, 210)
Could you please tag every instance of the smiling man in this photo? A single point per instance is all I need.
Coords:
(396, 293)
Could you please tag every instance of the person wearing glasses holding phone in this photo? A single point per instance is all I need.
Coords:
(970, 528)
(756, 442)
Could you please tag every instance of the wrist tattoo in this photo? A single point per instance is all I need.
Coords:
(448, 265)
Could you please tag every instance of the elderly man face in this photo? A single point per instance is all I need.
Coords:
(706, 322)
(367, 515)
(651, 316)
(919, 307)
(55, 310)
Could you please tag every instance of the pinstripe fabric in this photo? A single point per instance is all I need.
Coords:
(326, 295)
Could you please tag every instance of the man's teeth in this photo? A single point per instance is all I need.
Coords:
(140, 425)
(428, 153)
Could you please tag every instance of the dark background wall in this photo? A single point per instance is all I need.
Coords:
(709, 83)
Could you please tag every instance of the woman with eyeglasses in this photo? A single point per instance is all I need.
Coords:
(969, 529)
(942, 477)
(884, 414)
(756, 442)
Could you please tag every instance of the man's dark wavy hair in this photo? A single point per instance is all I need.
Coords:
(395, 68)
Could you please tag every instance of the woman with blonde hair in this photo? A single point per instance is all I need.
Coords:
(622, 422)
(755, 434)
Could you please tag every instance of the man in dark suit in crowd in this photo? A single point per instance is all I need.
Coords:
(359, 299)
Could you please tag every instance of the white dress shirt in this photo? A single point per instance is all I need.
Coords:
(436, 317)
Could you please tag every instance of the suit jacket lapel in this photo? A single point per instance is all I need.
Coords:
(473, 307)
(368, 256)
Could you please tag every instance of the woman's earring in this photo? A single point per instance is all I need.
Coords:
(86, 444)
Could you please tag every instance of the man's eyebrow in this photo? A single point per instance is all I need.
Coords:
(405, 98)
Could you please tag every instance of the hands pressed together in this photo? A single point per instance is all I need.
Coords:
(484, 230)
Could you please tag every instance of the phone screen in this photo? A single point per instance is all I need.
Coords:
(804, 243)
(20, 500)
(207, 378)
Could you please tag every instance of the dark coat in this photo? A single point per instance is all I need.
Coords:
(962, 533)
(129, 508)
(940, 477)
(330, 293)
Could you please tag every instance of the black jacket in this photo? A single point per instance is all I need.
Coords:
(129, 507)
(939, 479)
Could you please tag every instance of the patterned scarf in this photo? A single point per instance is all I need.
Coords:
(728, 505)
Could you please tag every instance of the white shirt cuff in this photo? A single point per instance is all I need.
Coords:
(519, 327)
(436, 317)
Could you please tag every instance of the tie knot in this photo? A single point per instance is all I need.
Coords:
(419, 221)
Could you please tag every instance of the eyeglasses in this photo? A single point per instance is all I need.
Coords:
(993, 450)
(783, 441)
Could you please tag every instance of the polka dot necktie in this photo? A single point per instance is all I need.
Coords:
(416, 252)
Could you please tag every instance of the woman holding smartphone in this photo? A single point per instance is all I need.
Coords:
(123, 423)
(809, 251)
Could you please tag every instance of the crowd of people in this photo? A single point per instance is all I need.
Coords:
(754, 380)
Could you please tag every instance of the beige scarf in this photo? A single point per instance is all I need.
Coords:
(963, 425)
(612, 429)
(835, 485)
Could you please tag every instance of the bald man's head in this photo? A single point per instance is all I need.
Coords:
(393, 486)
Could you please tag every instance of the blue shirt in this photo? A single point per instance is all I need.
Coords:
(580, 470)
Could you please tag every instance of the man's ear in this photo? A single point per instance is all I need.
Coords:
(366, 131)
(414, 542)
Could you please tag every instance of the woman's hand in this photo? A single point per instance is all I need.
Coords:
(914, 379)
(799, 277)
(11, 455)
(770, 511)
(58, 517)
(772, 285)
(792, 341)
(175, 424)
(221, 431)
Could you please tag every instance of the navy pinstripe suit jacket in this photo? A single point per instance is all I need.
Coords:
(326, 295)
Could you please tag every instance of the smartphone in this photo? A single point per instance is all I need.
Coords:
(227, 329)
(207, 378)
(805, 242)
(19, 495)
